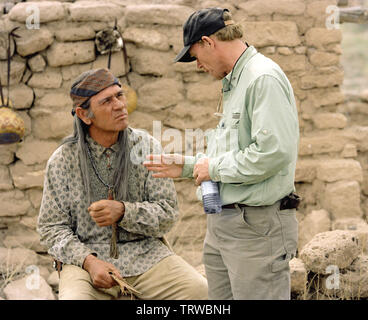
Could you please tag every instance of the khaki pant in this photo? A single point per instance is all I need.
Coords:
(171, 279)
(247, 252)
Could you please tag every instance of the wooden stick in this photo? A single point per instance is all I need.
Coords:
(354, 15)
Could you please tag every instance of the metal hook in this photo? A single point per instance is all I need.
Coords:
(11, 34)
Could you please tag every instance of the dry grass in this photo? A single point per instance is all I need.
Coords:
(12, 272)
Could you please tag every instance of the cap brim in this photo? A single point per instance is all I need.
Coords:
(184, 55)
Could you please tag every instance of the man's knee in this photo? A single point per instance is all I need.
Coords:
(76, 284)
(196, 289)
(73, 294)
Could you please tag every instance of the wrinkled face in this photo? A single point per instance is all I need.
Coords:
(207, 59)
(110, 110)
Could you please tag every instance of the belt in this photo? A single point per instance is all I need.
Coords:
(290, 201)
(233, 205)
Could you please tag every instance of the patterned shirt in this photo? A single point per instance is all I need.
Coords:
(67, 229)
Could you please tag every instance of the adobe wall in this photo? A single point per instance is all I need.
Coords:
(332, 170)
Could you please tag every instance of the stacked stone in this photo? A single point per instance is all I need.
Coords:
(332, 170)
(43, 66)
(333, 265)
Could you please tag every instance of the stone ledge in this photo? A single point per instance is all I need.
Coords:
(48, 11)
(25, 177)
(147, 38)
(157, 14)
(32, 41)
(49, 79)
(68, 53)
(95, 11)
(329, 120)
(342, 199)
(44, 151)
(13, 204)
(269, 7)
(321, 37)
(271, 33)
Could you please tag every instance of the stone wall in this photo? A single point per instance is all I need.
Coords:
(332, 170)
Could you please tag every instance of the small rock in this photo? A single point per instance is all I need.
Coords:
(31, 287)
(357, 226)
(298, 275)
(337, 247)
(16, 259)
(32, 41)
(68, 53)
(44, 271)
(49, 79)
(16, 72)
(47, 11)
(364, 95)
(13, 203)
(37, 63)
(350, 284)
(5, 180)
(53, 279)
(21, 96)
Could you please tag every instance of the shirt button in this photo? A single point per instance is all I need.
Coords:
(265, 131)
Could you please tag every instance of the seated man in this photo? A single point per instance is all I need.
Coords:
(102, 213)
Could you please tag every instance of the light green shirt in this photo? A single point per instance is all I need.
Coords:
(253, 150)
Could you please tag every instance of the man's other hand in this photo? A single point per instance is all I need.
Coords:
(200, 171)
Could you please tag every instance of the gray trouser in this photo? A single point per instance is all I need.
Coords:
(247, 252)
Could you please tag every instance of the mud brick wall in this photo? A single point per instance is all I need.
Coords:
(332, 170)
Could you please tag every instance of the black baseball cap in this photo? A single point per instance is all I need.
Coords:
(201, 23)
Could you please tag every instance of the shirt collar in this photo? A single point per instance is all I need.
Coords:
(232, 77)
(99, 150)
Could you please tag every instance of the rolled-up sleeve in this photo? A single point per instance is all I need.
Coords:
(274, 124)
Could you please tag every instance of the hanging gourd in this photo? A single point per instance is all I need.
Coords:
(131, 96)
(111, 40)
(11, 125)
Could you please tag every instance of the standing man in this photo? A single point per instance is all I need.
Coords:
(102, 213)
(252, 155)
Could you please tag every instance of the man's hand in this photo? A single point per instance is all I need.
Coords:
(200, 171)
(165, 165)
(106, 212)
(99, 271)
